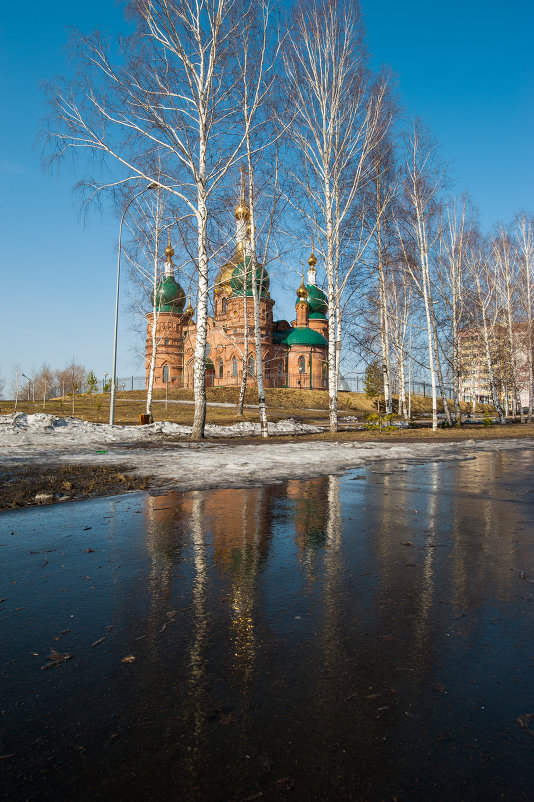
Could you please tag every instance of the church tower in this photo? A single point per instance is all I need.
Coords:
(168, 301)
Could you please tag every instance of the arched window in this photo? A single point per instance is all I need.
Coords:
(302, 364)
(165, 374)
(251, 366)
(221, 368)
(280, 368)
(234, 366)
(325, 369)
(224, 305)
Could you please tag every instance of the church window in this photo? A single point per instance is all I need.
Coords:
(224, 305)
(325, 370)
(234, 366)
(251, 366)
(221, 368)
(280, 368)
(165, 342)
(302, 364)
(165, 373)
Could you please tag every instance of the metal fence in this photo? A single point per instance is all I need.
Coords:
(355, 382)
(350, 382)
(130, 383)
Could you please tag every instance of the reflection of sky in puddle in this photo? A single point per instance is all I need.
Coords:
(367, 634)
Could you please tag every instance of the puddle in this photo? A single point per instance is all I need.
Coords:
(328, 639)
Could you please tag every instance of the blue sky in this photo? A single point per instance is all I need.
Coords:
(465, 67)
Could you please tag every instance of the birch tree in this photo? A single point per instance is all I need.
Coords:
(524, 235)
(453, 242)
(505, 272)
(422, 184)
(478, 266)
(164, 97)
(335, 117)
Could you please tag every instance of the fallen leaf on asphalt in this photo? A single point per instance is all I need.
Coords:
(55, 659)
(128, 659)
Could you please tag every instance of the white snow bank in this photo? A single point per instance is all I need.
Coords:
(20, 429)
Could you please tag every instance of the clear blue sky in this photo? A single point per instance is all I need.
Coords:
(465, 67)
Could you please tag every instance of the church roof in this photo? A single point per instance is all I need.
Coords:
(170, 297)
(238, 279)
(299, 336)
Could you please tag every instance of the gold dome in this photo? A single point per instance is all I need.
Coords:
(242, 212)
(169, 250)
(189, 309)
(312, 261)
(222, 282)
(302, 292)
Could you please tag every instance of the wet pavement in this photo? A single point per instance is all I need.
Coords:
(367, 636)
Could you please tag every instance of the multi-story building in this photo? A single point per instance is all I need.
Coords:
(474, 376)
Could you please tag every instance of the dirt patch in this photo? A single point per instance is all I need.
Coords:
(36, 484)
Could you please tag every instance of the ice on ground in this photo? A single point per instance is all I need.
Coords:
(188, 465)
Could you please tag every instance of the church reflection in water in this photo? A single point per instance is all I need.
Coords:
(341, 600)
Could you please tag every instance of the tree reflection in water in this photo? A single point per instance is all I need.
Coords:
(343, 637)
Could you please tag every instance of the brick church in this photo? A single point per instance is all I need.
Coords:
(294, 354)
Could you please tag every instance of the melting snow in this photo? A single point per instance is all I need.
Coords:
(189, 465)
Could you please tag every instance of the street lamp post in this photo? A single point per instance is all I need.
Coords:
(29, 384)
(114, 375)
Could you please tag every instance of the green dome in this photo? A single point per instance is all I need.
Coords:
(317, 301)
(300, 336)
(170, 297)
(262, 279)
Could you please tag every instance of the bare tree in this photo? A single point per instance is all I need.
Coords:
(165, 100)
(454, 238)
(505, 268)
(422, 184)
(524, 234)
(478, 266)
(335, 118)
(44, 380)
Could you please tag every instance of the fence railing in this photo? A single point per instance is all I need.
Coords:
(352, 382)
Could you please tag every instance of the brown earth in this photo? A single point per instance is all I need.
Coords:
(23, 486)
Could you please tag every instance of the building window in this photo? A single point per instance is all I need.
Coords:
(165, 342)
(224, 305)
(280, 368)
(221, 368)
(234, 366)
(251, 366)
(165, 374)
(302, 364)
(325, 370)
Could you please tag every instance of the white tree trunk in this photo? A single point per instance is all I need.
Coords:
(199, 376)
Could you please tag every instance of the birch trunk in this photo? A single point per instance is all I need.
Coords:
(155, 316)
(264, 432)
(489, 359)
(243, 387)
(439, 372)
(199, 380)
(525, 235)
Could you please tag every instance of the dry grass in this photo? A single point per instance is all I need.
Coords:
(19, 486)
(282, 403)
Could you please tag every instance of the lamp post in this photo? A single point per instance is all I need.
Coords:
(114, 374)
(29, 384)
